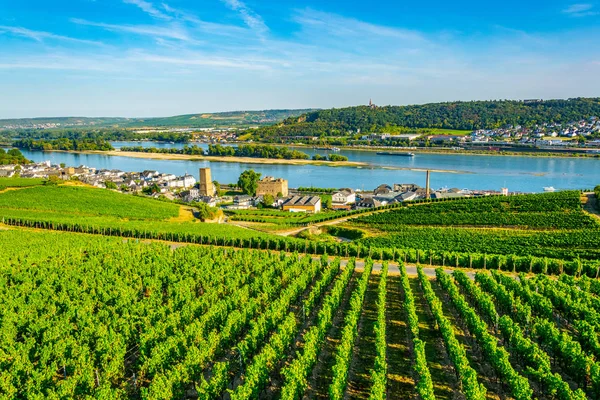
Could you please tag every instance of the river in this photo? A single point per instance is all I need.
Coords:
(485, 172)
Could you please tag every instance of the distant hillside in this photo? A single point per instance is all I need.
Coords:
(60, 122)
(207, 120)
(233, 118)
(453, 115)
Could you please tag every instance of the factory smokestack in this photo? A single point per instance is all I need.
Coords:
(427, 195)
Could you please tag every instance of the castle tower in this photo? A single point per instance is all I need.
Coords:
(206, 185)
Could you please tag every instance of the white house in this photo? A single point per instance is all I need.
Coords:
(344, 196)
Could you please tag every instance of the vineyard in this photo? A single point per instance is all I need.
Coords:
(107, 213)
(91, 316)
(551, 225)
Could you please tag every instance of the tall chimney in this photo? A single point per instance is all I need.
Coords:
(427, 196)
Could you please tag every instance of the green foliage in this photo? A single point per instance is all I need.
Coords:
(495, 354)
(193, 150)
(472, 389)
(256, 151)
(20, 182)
(597, 193)
(564, 244)
(547, 210)
(86, 202)
(64, 144)
(192, 302)
(248, 182)
(268, 200)
(205, 212)
(52, 181)
(424, 384)
(12, 156)
(326, 200)
(317, 190)
(337, 157)
(110, 185)
(454, 115)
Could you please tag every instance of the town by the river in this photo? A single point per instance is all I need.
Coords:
(481, 172)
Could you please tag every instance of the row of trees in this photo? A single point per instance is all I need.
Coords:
(63, 144)
(256, 151)
(110, 134)
(194, 150)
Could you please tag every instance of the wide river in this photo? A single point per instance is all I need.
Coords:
(518, 173)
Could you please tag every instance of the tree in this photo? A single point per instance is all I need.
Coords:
(217, 186)
(326, 201)
(52, 180)
(248, 182)
(151, 189)
(268, 200)
(110, 185)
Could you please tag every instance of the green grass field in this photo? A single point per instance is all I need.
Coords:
(85, 201)
(19, 182)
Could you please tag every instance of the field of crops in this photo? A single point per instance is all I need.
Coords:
(93, 316)
(550, 225)
(563, 244)
(560, 210)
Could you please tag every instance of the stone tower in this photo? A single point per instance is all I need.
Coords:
(206, 185)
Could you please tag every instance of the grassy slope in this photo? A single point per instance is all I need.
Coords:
(107, 209)
(87, 201)
(19, 182)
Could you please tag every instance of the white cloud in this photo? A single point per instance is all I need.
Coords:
(40, 36)
(580, 10)
(253, 20)
(171, 32)
(149, 9)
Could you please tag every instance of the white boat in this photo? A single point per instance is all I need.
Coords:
(336, 149)
(549, 189)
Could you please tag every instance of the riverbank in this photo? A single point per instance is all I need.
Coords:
(251, 160)
(448, 151)
(244, 160)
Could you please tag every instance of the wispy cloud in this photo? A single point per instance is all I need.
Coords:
(250, 18)
(205, 26)
(205, 61)
(170, 32)
(581, 10)
(40, 36)
(149, 9)
(342, 26)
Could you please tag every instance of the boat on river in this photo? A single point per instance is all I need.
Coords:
(390, 153)
(549, 189)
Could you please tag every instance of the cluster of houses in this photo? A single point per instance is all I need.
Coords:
(273, 190)
(162, 183)
(548, 134)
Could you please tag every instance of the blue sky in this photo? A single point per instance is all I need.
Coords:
(159, 58)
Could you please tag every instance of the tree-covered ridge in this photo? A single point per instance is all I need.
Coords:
(63, 144)
(94, 134)
(452, 115)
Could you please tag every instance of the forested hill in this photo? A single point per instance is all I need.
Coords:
(453, 115)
